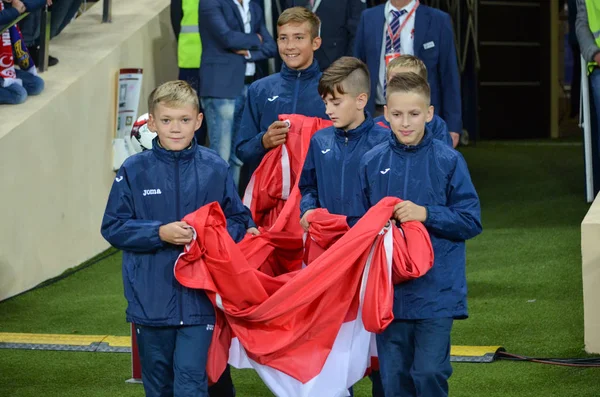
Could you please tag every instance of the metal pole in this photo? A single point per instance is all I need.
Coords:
(586, 123)
(44, 40)
(106, 11)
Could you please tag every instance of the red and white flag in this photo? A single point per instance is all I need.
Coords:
(306, 331)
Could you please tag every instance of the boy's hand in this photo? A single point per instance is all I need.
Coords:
(407, 211)
(304, 221)
(178, 233)
(253, 231)
(275, 135)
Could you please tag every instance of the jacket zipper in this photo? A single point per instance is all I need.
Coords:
(404, 191)
(344, 168)
(177, 204)
(296, 93)
(404, 197)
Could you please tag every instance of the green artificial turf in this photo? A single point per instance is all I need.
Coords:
(524, 276)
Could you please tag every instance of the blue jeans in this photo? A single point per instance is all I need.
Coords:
(223, 117)
(595, 88)
(595, 118)
(62, 13)
(414, 357)
(174, 360)
(15, 94)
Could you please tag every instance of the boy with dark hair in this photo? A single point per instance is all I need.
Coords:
(329, 179)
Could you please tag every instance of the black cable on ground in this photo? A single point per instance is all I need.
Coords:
(590, 362)
(106, 254)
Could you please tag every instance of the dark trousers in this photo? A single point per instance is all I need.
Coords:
(174, 360)
(414, 357)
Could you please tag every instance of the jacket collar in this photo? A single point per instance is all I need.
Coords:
(309, 73)
(405, 149)
(170, 156)
(358, 132)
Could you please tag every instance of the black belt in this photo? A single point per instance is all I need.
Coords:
(249, 80)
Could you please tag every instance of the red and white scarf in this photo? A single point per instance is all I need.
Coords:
(12, 37)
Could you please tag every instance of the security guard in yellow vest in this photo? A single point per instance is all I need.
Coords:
(587, 25)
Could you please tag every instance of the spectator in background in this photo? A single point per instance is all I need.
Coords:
(339, 20)
(588, 35)
(16, 84)
(405, 27)
(184, 14)
(576, 53)
(62, 13)
(234, 37)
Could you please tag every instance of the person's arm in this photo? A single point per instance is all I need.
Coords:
(211, 14)
(268, 49)
(176, 16)
(587, 43)
(450, 81)
(238, 216)
(308, 183)
(355, 9)
(119, 226)
(8, 15)
(33, 5)
(460, 219)
(249, 147)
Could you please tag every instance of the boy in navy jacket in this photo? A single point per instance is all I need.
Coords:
(329, 177)
(292, 91)
(434, 182)
(151, 193)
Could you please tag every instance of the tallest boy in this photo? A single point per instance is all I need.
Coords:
(292, 91)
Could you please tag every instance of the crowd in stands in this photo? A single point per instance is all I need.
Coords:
(21, 44)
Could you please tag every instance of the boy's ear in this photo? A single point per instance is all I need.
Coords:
(151, 123)
(199, 121)
(430, 113)
(362, 100)
(385, 113)
(316, 43)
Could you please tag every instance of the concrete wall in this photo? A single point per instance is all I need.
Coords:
(55, 149)
(590, 252)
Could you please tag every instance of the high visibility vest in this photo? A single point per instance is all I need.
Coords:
(593, 12)
(189, 45)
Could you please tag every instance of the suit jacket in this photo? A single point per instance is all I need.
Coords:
(339, 20)
(433, 43)
(222, 72)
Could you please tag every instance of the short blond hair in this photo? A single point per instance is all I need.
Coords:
(409, 82)
(407, 61)
(300, 15)
(176, 93)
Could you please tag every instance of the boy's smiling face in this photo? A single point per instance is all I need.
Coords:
(296, 47)
(407, 113)
(175, 125)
